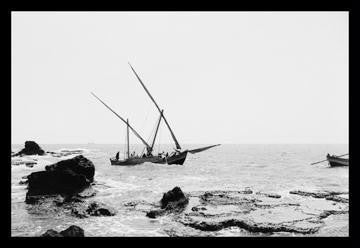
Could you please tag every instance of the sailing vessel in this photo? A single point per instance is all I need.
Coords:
(335, 161)
(177, 157)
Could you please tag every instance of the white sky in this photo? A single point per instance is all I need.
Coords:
(221, 77)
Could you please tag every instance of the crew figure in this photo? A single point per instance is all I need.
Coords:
(117, 156)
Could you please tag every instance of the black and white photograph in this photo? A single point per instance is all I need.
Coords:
(179, 123)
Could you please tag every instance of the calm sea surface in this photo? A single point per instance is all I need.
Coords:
(275, 168)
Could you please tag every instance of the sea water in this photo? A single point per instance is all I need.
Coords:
(276, 168)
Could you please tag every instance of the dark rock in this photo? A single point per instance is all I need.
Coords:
(312, 194)
(327, 213)
(337, 199)
(197, 208)
(246, 191)
(271, 195)
(251, 226)
(226, 198)
(316, 194)
(155, 213)
(56, 182)
(173, 201)
(31, 148)
(100, 209)
(68, 177)
(79, 164)
(51, 233)
(32, 199)
(175, 197)
(30, 164)
(73, 231)
(92, 209)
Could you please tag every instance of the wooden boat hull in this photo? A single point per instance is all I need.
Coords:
(137, 160)
(174, 159)
(335, 161)
(177, 159)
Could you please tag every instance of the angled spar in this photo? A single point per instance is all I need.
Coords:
(167, 124)
(132, 129)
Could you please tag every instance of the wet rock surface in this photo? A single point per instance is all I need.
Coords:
(31, 148)
(67, 177)
(172, 201)
(323, 194)
(72, 231)
(272, 195)
(79, 165)
(93, 208)
(63, 188)
(260, 213)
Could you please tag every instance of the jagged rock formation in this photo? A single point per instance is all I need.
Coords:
(67, 177)
(172, 201)
(31, 148)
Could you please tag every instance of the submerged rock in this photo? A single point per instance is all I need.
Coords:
(271, 195)
(327, 213)
(31, 148)
(337, 198)
(316, 194)
(84, 210)
(100, 209)
(252, 226)
(72, 231)
(67, 177)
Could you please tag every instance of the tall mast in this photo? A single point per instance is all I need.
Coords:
(157, 128)
(132, 129)
(127, 131)
(167, 124)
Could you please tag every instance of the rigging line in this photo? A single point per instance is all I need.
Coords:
(124, 146)
(153, 133)
(160, 133)
(132, 129)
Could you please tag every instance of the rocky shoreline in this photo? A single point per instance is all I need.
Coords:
(254, 213)
(67, 187)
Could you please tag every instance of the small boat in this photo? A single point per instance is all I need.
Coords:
(176, 157)
(335, 161)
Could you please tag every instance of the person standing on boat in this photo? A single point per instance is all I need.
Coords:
(117, 156)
